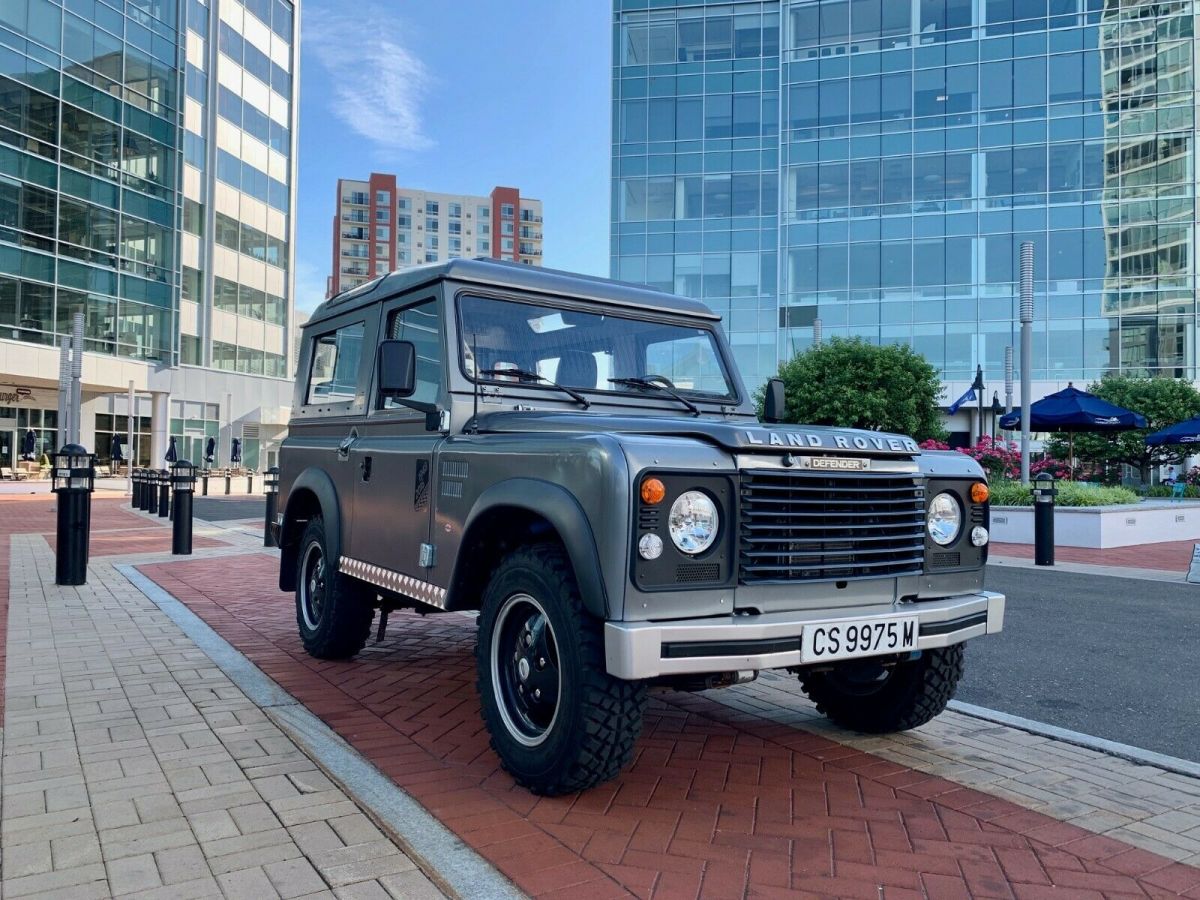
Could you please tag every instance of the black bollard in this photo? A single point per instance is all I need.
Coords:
(249, 482)
(1043, 519)
(204, 481)
(136, 498)
(164, 493)
(183, 482)
(74, 480)
(271, 486)
(149, 497)
(228, 475)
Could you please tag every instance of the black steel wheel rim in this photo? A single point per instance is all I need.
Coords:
(312, 586)
(525, 669)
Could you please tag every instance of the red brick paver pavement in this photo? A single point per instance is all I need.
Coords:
(717, 803)
(1170, 556)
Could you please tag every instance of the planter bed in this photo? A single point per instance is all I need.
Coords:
(1101, 527)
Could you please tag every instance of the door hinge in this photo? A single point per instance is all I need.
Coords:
(428, 556)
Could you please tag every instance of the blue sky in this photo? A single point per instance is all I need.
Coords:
(462, 96)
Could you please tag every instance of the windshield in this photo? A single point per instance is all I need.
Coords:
(585, 349)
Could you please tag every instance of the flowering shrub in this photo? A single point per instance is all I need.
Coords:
(934, 444)
(1193, 476)
(1057, 467)
(999, 458)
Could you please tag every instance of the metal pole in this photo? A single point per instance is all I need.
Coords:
(817, 332)
(77, 378)
(1008, 379)
(129, 442)
(1026, 352)
(64, 393)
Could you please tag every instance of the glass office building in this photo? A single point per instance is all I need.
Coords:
(874, 165)
(146, 180)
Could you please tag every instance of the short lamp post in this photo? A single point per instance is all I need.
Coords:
(183, 484)
(997, 410)
(271, 486)
(74, 480)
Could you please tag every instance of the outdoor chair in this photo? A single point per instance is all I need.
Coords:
(1178, 490)
(9, 474)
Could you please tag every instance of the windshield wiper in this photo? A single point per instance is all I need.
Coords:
(524, 375)
(658, 383)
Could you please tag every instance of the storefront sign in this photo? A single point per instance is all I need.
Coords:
(12, 394)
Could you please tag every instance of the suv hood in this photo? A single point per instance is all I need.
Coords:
(741, 435)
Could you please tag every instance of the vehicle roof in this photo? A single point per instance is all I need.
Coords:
(503, 274)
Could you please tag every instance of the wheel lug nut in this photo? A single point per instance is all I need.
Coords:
(537, 693)
(541, 662)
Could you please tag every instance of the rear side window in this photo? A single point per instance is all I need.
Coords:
(333, 377)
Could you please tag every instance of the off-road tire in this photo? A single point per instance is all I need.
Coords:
(597, 718)
(341, 627)
(915, 692)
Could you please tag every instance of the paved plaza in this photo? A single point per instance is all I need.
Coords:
(165, 735)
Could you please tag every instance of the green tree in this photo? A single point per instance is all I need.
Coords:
(1163, 401)
(856, 384)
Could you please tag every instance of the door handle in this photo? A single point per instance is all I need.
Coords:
(366, 468)
(347, 442)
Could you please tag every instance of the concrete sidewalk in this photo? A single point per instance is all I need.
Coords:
(132, 766)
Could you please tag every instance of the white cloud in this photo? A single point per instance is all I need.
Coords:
(377, 85)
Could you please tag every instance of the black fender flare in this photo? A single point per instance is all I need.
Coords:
(317, 482)
(562, 510)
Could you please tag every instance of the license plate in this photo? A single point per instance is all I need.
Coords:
(830, 641)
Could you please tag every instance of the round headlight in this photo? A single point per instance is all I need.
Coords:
(944, 520)
(979, 536)
(693, 522)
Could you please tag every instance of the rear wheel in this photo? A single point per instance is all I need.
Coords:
(333, 611)
(868, 695)
(558, 721)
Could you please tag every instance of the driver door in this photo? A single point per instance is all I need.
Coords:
(392, 460)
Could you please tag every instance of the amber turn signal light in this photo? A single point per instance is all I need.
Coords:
(979, 492)
(653, 491)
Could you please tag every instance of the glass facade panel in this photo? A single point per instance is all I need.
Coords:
(914, 145)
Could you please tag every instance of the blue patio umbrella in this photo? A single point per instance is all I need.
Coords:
(1185, 432)
(1073, 410)
(171, 454)
(210, 448)
(235, 452)
(116, 452)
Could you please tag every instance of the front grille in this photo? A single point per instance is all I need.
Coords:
(801, 526)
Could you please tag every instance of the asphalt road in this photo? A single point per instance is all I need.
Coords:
(1118, 658)
(222, 509)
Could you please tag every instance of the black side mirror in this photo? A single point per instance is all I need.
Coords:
(773, 401)
(397, 369)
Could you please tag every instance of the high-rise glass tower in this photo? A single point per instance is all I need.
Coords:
(913, 145)
(147, 180)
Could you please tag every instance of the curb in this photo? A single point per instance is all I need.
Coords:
(454, 866)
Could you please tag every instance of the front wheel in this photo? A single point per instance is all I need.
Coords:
(558, 721)
(871, 696)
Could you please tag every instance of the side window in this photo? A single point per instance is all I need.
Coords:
(421, 325)
(333, 377)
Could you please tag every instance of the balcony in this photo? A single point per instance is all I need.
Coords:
(527, 216)
(356, 199)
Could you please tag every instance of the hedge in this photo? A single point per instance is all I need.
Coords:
(1070, 493)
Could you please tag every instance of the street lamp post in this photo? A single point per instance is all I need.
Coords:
(977, 387)
(997, 409)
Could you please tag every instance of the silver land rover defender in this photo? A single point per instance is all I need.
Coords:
(578, 460)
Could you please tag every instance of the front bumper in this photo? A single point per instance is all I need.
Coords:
(637, 650)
